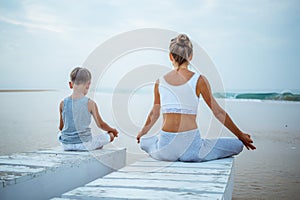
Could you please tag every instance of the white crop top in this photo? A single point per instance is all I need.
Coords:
(179, 98)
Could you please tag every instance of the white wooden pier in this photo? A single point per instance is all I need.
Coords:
(49, 173)
(150, 179)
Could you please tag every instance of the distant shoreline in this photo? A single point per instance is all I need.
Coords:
(274, 96)
(27, 90)
(254, 96)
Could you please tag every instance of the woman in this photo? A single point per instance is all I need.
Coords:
(177, 94)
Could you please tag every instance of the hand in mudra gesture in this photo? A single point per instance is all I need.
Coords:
(247, 141)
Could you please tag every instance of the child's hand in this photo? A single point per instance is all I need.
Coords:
(111, 135)
(114, 132)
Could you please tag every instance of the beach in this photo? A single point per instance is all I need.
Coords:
(29, 121)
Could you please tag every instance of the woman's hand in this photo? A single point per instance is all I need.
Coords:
(247, 141)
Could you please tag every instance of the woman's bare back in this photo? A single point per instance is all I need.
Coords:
(176, 122)
(178, 77)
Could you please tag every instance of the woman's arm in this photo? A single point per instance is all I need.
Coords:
(61, 122)
(93, 108)
(203, 88)
(153, 115)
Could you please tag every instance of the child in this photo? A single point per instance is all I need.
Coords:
(75, 117)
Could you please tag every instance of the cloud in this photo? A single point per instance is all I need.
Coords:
(35, 16)
(31, 25)
(225, 29)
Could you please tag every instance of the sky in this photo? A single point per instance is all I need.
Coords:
(254, 44)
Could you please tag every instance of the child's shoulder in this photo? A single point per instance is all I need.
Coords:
(91, 105)
(62, 102)
(65, 98)
(61, 105)
(91, 102)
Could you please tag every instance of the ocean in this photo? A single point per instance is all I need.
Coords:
(29, 121)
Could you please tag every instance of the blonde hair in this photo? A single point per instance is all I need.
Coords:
(181, 49)
(80, 75)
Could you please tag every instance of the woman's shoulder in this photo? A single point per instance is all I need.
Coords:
(161, 78)
(202, 82)
(197, 75)
(202, 79)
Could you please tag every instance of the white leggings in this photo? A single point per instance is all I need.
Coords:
(189, 146)
(97, 142)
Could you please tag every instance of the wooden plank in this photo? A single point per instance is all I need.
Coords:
(33, 160)
(164, 185)
(38, 160)
(21, 169)
(168, 176)
(10, 178)
(74, 153)
(183, 165)
(151, 179)
(80, 153)
(37, 156)
(172, 170)
(50, 158)
(14, 174)
(94, 193)
(60, 171)
(28, 163)
(230, 184)
(223, 160)
(2, 183)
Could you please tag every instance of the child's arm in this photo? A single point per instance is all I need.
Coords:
(93, 108)
(153, 115)
(61, 122)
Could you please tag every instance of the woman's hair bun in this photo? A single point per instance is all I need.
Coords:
(182, 40)
(181, 48)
